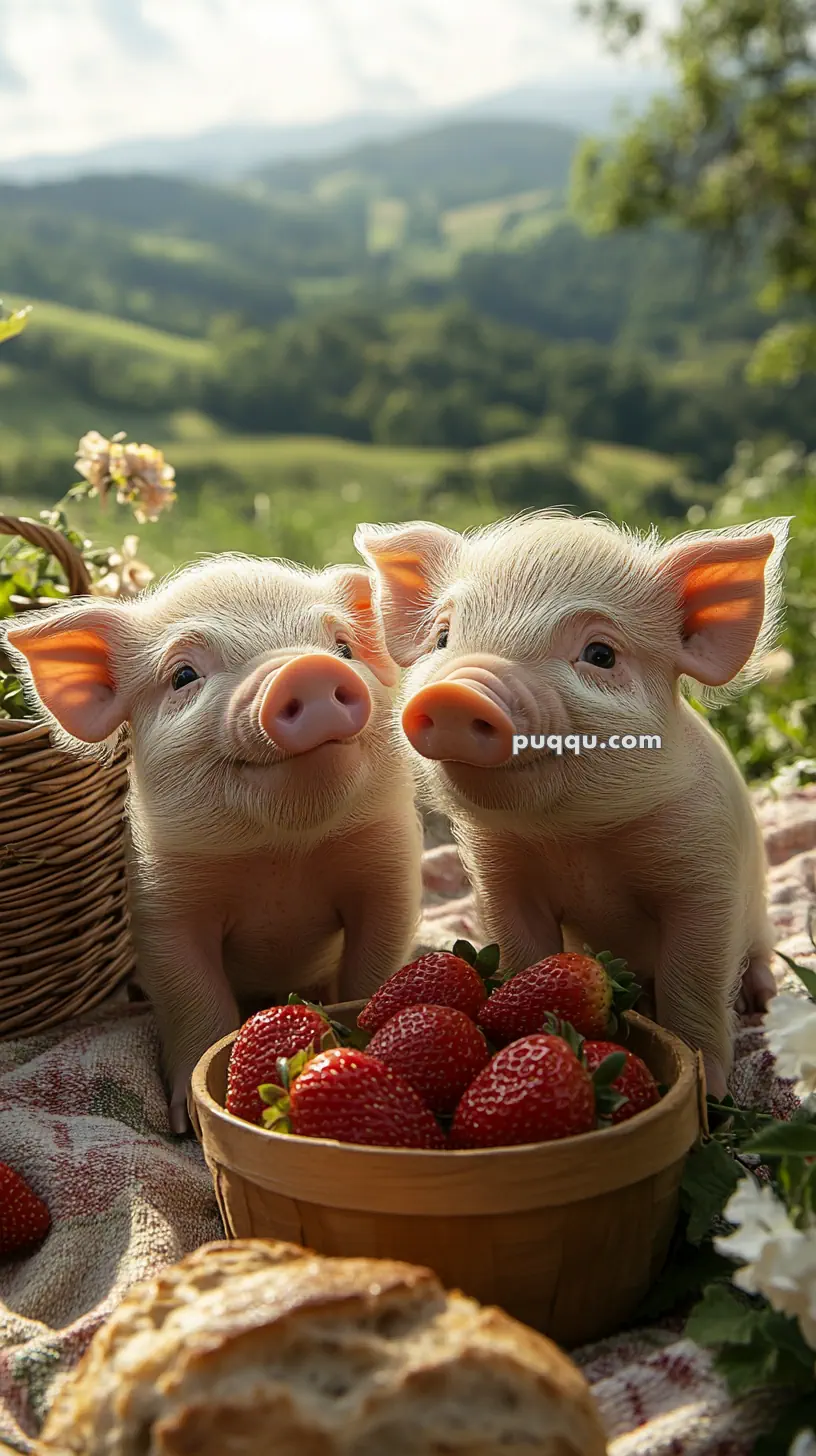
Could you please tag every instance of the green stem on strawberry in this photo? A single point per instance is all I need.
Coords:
(340, 1035)
(607, 1100)
(485, 961)
(556, 1027)
(626, 991)
(275, 1096)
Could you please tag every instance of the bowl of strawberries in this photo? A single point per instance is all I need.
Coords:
(521, 1133)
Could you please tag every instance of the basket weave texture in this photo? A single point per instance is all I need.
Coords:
(65, 940)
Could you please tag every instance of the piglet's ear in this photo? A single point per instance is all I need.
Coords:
(727, 588)
(412, 564)
(65, 659)
(355, 591)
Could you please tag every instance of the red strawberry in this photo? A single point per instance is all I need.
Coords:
(534, 1091)
(581, 989)
(436, 979)
(347, 1095)
(278, 1032)
(436, 1049)
(635, 1082)
(24, 1218)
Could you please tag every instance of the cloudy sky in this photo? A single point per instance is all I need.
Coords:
(83, 73)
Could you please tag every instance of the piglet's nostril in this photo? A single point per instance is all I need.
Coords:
(486, 729)
(342, 696)
(423, 721)
(291, 710)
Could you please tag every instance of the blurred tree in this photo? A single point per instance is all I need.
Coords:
(732, 154)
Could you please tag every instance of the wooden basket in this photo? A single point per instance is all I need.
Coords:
(64, 924)
(566, 1236)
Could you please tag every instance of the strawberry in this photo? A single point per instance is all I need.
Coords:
(635, 1082)
(535, 1090)
(436, 1049)
(24, 1218)
(348, 1095)
(584, 990)
(278, 1032)
(437, 979)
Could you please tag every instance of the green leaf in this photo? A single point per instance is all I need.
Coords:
(487, 961)
(805, 974)
(465, 951)
(556, 1027)
(781, 1139)
(723, 1317)
(689, 1268)
(10, 327)
(357, 1037)
(746, 1369)
(610, 1068)
(709, 1178)
(783, 1332)
(792, 1419)
(276, 1119)
(271, 1093)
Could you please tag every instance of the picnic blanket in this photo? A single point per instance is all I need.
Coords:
(83, 1117)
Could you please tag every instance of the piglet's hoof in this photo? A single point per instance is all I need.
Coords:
(757, 989)
(716, 1085)
(178, 1113)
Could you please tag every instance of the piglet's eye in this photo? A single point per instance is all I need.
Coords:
(344, 650)
(442, 637)
(598, 654)
(183, 676)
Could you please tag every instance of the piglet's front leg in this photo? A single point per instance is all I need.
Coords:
(181, 969)
(380, 917)
(696, 978)
(525, 928)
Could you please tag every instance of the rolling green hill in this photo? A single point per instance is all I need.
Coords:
(460, 163)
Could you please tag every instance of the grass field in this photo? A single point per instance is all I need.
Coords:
(301, 497)
(123, 334)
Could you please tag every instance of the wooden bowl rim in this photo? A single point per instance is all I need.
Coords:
(628, 1145)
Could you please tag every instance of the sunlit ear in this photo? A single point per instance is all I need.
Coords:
(65, 658)
(727, 594)
(354, 590)
(412, 563)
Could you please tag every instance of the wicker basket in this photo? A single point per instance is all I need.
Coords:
(64, 926)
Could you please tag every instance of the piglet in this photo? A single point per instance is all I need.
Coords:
(546, 626)
(275, 843)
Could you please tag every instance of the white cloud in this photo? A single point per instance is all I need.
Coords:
(98, 71)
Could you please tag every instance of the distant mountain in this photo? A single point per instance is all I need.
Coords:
(230, 152)
(221, 154)
(458, 163)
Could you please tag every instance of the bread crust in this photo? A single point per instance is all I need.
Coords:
(257, 1347)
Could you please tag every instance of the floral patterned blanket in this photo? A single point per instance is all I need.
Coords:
(82, 1117)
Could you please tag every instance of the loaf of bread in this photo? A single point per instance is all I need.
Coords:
(258, 1348)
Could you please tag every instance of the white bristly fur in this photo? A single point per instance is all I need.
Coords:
(653, 854)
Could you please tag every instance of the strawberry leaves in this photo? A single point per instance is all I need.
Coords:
(485, 961)
(336, 1033)
(275, 1096)
(626, 990)
(607, 1100)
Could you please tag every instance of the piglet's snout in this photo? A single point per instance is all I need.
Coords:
(461, 720)
(314, 699)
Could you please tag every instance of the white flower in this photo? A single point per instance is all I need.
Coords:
(142, 477)
(778, 1259)
(126, 575)
(790, 1026)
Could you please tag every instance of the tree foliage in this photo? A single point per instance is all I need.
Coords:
(731, 154)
